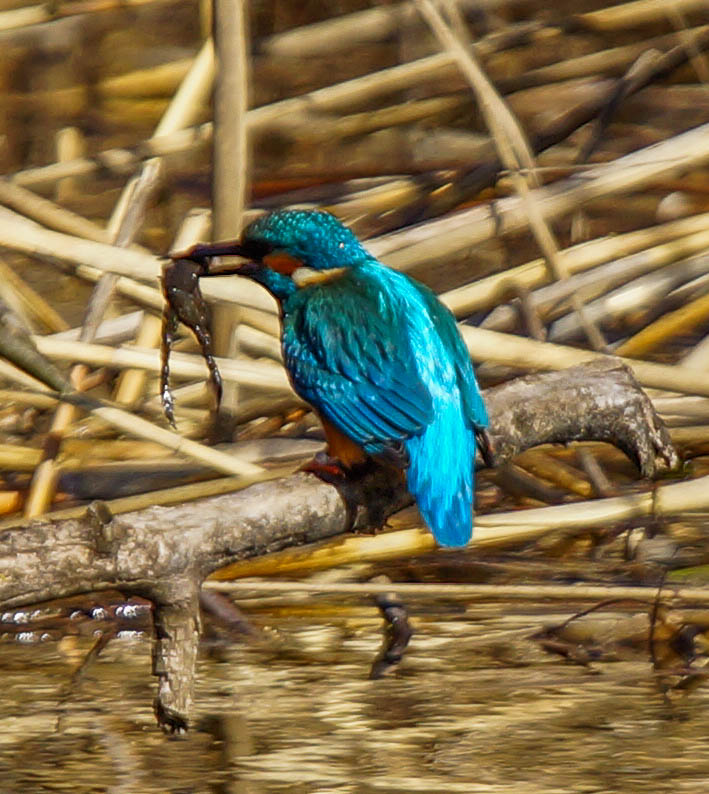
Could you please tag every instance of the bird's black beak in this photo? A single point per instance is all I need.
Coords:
(202, 253)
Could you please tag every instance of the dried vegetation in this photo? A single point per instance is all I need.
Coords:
(543, 168)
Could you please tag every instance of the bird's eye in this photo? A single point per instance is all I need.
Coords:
(341, 246)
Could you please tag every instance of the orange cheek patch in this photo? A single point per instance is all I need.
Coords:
(282, 262)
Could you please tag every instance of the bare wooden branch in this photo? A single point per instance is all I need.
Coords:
(164, 553)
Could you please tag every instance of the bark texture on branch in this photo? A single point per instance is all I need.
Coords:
(164, 553)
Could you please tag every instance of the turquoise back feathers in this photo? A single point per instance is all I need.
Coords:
(379, 357)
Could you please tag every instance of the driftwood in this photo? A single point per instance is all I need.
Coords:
(165, 553)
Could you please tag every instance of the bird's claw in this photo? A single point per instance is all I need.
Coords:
(326, 468)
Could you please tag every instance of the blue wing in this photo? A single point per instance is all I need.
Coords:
(348, 355)
(381, 359)
(445, 323)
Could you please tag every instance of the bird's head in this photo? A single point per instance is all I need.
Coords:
(310, 238)
(286, 249)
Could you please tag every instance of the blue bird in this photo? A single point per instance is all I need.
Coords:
(376, 354)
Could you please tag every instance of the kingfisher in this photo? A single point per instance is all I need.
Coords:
(376, 354)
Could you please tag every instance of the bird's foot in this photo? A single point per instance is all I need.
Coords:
(486, 446)
(326, 468)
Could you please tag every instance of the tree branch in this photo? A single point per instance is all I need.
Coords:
(164, 553)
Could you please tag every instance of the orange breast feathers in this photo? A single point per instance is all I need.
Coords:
(341, 447)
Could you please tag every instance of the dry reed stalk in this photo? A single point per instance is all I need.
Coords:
(112, 450)
(122, 227)
(612, 61)
(20, 297)
(451, 235)
(697, 59)
(30, 399)
(538, 593)
(22, 17)
(258, 344)
(370, 25)
(592, 283)
(23, 235)
(126, 221)
(219, 461)
(119, 161)
(261, 375)
(266, 322)
(698, 356)
(636, 295)
(681, 321)
(14, 457)
(513, 149)
(192, 394)
(656, 244)
(676, 414)
(690, 437)
(141, 294)
(193, 92)
(339, 97)
(131, 382)
(230, 160)
(140, 428)
(634, 14)
(69, 144)
(10, 501)
(336, 97)
(110, 332)
(251, 408)
(39, 14)
(319, 128)
(160, 80)
(551, 468)
(48, 213)
(169, 496)
(492, 347)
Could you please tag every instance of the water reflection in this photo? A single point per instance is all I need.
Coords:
(476, 706)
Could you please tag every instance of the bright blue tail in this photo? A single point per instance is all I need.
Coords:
(440, 473)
